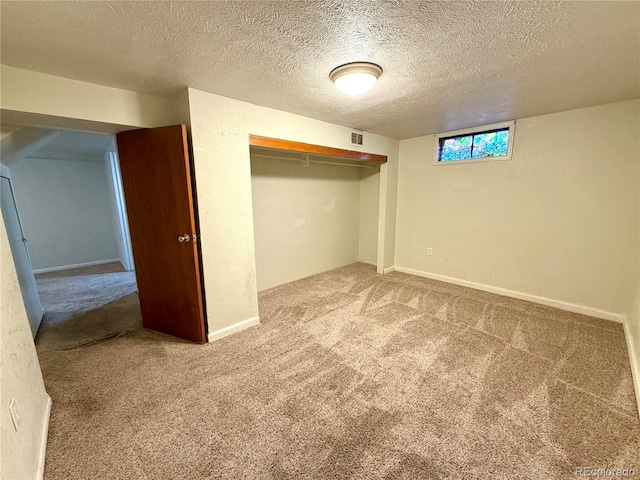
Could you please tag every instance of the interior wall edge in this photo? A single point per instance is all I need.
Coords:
(549, 302)
(634, 359)
(382, 217)
(21, 380)
(43, 439)
(368, 216)
(391, 217)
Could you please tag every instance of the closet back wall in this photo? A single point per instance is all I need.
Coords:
(306, 219)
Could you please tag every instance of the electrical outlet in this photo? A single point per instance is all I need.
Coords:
(429, 251)
(13, 410)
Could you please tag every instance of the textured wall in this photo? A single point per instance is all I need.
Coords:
(369, 206)
(559, 220)
(65, 209)
(219, 128)
(306, 219)
(21, 379)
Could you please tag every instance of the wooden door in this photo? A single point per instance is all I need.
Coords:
(156, 177)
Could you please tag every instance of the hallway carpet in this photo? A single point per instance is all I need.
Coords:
(350, 374)
(86, 304)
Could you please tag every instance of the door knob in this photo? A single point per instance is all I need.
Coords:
(184, 238)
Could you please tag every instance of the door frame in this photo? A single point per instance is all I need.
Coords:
(35, 318)
(25, 119)
(113, 169)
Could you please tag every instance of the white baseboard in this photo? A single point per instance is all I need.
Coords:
(388, 270)
(570, 307)
(223, 332)
(635, 361)
(77, 265)
(43, 439)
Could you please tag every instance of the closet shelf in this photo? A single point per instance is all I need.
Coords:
(265, 147)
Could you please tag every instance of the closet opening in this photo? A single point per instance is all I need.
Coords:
(315, 208)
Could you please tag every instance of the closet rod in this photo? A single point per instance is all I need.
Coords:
(302, 160)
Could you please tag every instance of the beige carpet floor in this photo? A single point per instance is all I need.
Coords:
(83, 305)
(349, 375)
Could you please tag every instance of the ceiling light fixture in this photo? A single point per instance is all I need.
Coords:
(355, 78)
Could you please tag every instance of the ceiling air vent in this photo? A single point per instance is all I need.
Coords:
(357, 139)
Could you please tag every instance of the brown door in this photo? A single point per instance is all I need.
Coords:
(156, 177)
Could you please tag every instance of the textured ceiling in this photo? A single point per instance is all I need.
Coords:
(447, 65)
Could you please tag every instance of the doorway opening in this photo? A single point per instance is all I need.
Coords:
(64, 209)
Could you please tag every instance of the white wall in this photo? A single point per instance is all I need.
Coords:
(62, 98)
(20, 451)
(220, 129)
(65, 209)
(558, 221)
(7, 130)
(306, 219)
(369, 208)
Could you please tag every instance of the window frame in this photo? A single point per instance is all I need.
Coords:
(511, 125)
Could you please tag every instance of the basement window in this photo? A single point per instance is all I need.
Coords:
(479, 144)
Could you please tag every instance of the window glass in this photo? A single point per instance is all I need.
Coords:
(491, 144)
(474, 145)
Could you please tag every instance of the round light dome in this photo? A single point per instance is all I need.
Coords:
(355, 78)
